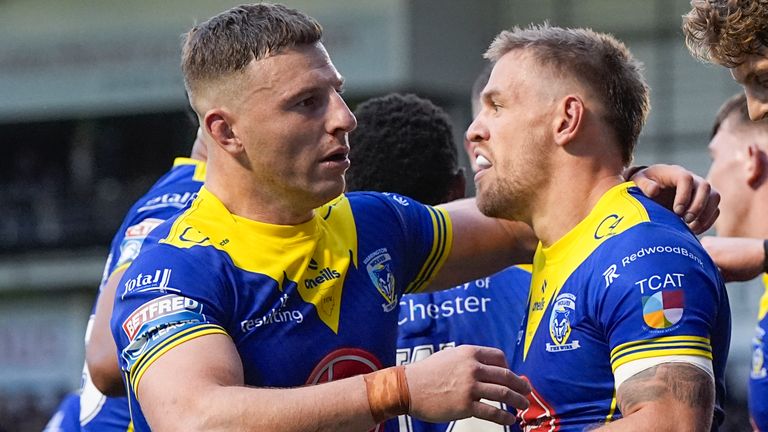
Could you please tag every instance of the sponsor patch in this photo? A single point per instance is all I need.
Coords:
(397, 198)
(563, 311)
(663, 309)
(378, 266)
(156, 281)
(175, 200)
(134, 238)
(158, 308)
(142, 229)
(607, 227)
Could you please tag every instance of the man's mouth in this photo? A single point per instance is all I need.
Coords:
(482, 162)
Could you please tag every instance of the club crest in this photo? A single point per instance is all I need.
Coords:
(378, 266)
(563, 311)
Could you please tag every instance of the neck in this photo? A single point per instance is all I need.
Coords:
(245, 197)
(570, 196)
(753, 221)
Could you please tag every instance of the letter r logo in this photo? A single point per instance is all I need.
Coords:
(610, 274)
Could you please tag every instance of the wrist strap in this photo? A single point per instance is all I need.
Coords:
(631, 171)
(388, 394)
(765, 256)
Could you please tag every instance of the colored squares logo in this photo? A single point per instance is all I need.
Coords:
(663, 309)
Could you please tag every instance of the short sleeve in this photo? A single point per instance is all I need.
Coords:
(657, 298)
(165, 298)
(425, 232)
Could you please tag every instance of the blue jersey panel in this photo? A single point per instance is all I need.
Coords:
(758, 378)
(66, 417)
(487, 311)
(335, 280)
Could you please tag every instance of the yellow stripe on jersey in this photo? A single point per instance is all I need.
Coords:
(130, 427)
(146, 359)
(315, 255)
(199, 174)
(660, 347)
(442, 243)
(612, 411)
(764, 299)
(615, 212)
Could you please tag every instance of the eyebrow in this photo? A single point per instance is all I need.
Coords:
(489, 94)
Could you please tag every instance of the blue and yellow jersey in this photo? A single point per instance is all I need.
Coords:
(171, 193)
(628, 288)
(65, 419)
(758, 378)
(487, 311)
(303, 304)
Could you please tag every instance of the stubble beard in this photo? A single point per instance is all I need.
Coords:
(502, 199)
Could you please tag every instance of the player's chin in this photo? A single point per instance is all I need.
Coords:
(329, 188)
(488, 203)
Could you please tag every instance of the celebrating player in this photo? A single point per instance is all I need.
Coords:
(626, 310)
(740, 169)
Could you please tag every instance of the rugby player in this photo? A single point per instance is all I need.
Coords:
(733, 33)
(739, 152)
(628, 324)
(275, 281)
(103, 406)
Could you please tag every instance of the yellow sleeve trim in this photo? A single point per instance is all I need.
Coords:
(627, 345)
(119, 268)
(146, 360)
(442, 242)
(661, 353)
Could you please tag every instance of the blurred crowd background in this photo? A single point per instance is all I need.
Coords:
(93, 110)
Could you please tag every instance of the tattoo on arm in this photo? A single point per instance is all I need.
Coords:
(681, 382)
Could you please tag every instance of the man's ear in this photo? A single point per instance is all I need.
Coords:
(756, 165)
(218, 123)
(569, 117)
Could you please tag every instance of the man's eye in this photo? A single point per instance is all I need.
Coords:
(307, 102)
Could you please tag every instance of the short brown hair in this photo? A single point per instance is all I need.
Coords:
(599, 61)
(229, 41)
(726, 31)
(736, 104)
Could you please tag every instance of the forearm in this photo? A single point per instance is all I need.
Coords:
(336, 406)
(100, 349)
(482, 245)
(666, 397)
(739, 259)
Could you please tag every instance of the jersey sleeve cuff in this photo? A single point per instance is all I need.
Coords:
(630, 369)
(441, 247)
(146, 359)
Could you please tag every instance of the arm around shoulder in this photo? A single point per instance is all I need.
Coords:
(482, 245)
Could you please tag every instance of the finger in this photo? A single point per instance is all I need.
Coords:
(708, 216)
(684, 191)
(698, 226)
(500, 393)
(484, 411)
(490, 356)
(698, 203)
(649, 187)
(504, 377)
